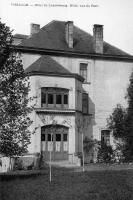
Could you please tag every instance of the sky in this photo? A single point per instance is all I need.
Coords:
(115, 15)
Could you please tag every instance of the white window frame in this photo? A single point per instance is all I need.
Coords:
(89, 64)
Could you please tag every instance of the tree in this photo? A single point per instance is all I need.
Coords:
(14, 101)
(117, 122)
(128, 151)
(6, 40)
(121, 123)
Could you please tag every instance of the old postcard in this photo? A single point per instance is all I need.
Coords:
(66, 133)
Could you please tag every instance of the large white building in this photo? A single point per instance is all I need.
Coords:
(77, 79)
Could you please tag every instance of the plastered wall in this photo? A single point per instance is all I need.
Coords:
(106, 85)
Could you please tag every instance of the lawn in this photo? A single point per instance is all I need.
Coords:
(69, 185)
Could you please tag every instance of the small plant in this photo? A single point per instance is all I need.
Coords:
(18, 165)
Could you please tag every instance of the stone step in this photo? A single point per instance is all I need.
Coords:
(64, 163)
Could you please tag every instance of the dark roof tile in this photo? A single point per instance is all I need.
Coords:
(52, 37)
(47, 65)
(20, 36)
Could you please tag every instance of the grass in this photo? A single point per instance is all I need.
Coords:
(69, 185)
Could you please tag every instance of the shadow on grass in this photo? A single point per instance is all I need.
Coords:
(68, 185)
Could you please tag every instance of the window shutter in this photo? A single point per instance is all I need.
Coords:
(85, 103)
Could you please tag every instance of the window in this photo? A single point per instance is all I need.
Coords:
(64, 137)
(105, 137)
(65, 99)
(85, 100)
(43, 99)
(58, 137)
(54, 97)
(83, 70)
(50, 98)
(58, 98)
(43, 137)
(49, 137)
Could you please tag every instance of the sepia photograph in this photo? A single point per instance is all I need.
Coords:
(66, 100)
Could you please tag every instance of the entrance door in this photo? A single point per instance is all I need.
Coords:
(54, 138)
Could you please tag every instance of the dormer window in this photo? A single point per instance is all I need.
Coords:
(54, 97)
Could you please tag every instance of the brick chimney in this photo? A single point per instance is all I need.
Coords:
(69, 33)
(98, 38)
(34, 28)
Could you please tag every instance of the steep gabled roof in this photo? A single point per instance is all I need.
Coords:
(45, 65)
(52, 37)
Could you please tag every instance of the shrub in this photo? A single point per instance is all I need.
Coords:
(105, 154)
